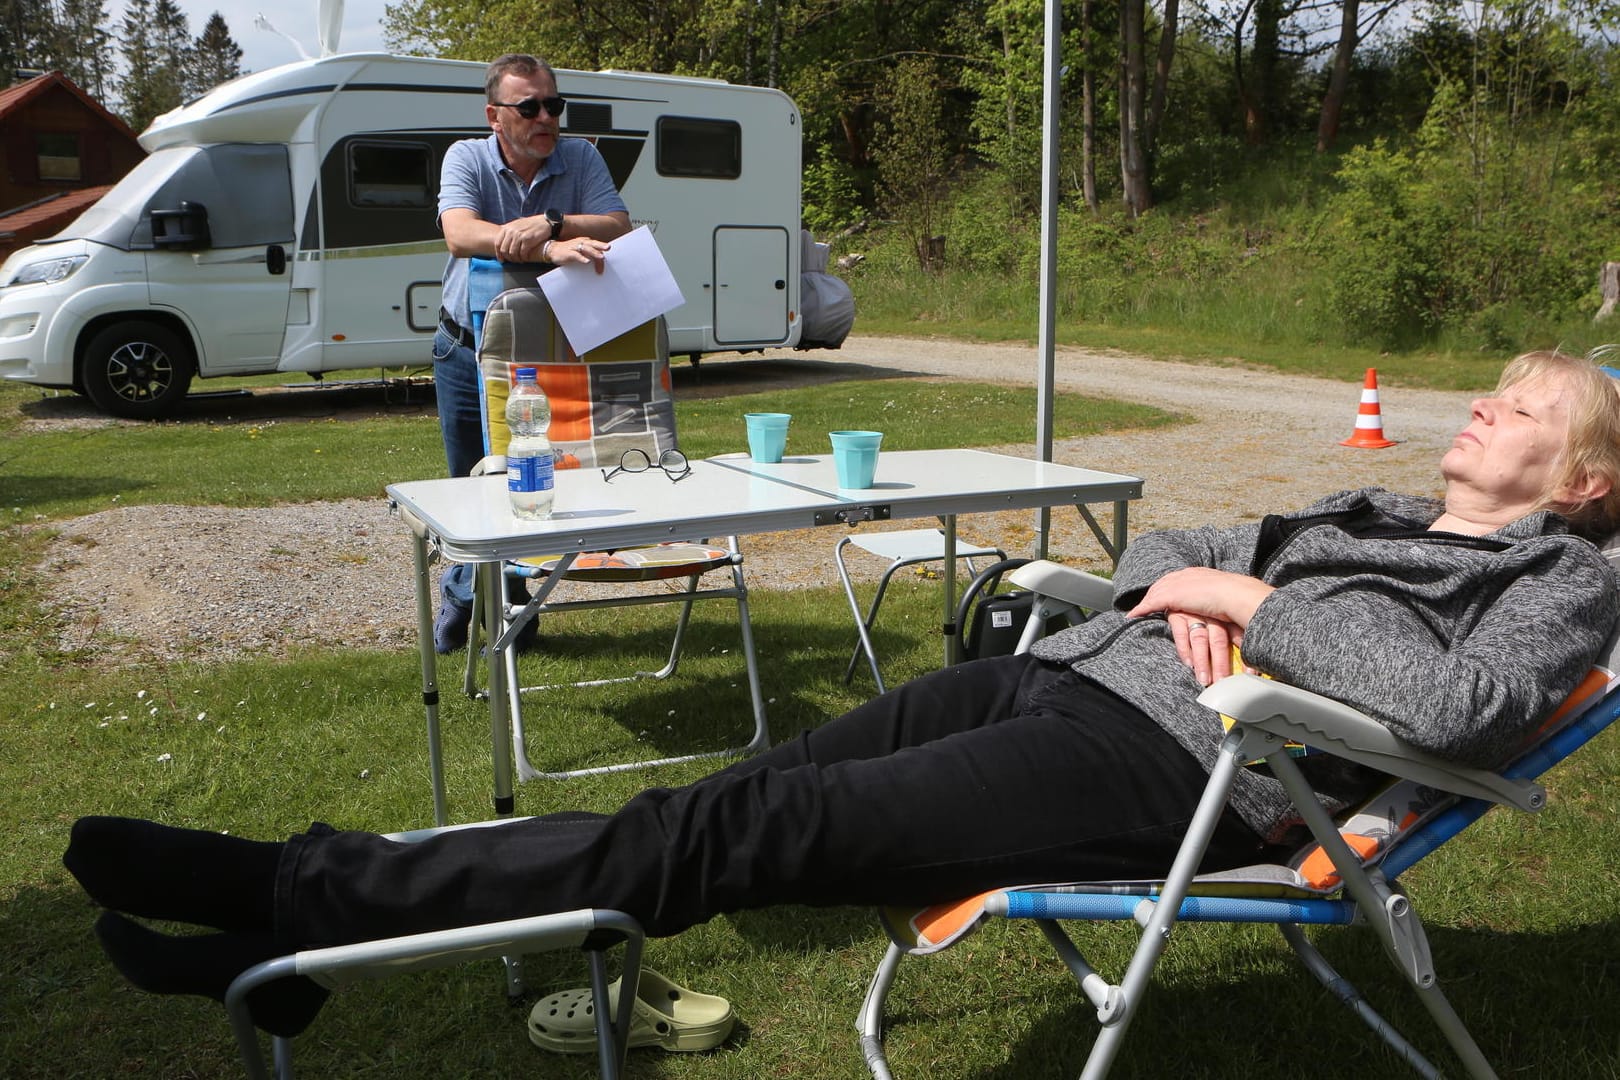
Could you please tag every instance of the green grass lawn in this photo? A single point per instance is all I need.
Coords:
(1522, 912)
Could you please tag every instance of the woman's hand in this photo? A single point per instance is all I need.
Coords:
(1208, 611)
(1204, 644)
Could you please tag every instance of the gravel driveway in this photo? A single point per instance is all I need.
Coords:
(208, 582)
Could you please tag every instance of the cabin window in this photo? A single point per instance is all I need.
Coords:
(708, 149)
(58, 156)
(390, 174)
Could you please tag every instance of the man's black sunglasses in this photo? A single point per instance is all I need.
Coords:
(529, 108)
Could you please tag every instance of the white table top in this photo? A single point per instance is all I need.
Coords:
(473, 521)
(733, 495)
(938, 483)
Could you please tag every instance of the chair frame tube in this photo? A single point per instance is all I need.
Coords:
(594, 932)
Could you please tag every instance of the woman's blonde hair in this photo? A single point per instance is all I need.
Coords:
(1592, 450)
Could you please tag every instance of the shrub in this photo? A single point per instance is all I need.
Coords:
(1382, 248)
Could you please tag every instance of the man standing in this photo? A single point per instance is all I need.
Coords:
(522, 195)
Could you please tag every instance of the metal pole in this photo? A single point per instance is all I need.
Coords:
(1045, 342)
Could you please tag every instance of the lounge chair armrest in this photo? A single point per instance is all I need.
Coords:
(1324, 724)
(1065, 583)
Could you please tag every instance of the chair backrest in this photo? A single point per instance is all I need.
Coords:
(614, 398)
(1406, 821)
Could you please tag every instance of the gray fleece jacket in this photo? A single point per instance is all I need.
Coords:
(1459, 644)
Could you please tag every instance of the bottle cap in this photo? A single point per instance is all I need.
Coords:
(528, 373)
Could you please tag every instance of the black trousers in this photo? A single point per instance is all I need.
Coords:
(997, 772)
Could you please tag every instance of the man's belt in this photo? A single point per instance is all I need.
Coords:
(460, 335)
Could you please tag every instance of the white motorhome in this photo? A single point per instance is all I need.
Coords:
(285, 222)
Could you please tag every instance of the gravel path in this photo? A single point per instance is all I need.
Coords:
(160, 582)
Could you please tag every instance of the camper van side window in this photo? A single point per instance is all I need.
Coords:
(390, 174)
(709, 149)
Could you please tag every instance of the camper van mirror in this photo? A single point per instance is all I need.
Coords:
(185, 227)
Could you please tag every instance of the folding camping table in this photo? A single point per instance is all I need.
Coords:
(468, 519)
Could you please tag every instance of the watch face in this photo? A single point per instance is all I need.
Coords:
(556, 219)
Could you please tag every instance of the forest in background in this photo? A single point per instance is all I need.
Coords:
(1387, 174)
(1394, 175)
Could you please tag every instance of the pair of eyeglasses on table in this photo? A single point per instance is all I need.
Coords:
(672, 462)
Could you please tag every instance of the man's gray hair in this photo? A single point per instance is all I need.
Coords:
(512, 64)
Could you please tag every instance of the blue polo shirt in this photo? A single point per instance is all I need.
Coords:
(574, 179)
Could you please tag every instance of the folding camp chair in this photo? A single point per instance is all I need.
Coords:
(615, 400)
(903, 548)
(592, 931)
(1347, 874)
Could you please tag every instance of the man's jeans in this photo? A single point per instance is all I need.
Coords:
(455, 382)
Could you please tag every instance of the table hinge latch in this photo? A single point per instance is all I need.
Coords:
(853, 515)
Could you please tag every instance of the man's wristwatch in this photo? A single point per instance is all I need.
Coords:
(555, 217)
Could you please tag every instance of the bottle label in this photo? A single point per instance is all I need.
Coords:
(532, 473)
(517, 471)
(545, 472)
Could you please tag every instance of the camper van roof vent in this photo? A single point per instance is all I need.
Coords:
(589, 116)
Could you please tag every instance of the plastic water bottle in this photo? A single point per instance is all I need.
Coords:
(530, 476)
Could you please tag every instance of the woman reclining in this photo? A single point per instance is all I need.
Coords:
(1458, 623)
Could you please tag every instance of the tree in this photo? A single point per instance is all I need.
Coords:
(910, 152)
(1007, 83)
(215, 56)
(1352, 32)
(1161, 75)
(172, 40)
(1135, 178)
(156, 43)
(1260, 90)
(81, 46)
(139, 91)
(24, 35)
(1271, 44)
(1088, 109)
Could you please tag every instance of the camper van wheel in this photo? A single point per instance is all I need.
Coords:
(138, 370)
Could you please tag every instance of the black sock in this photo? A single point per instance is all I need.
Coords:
(187, 875)
(205, 965)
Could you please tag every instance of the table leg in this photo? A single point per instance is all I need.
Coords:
(1113, 544)
(430, 677)
(491, 589)
(532, 610)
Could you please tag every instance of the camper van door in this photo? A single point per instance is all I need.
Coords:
(751, 266)
(225, 268)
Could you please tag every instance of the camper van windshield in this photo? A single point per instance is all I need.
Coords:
(246, 188)
(111, 220)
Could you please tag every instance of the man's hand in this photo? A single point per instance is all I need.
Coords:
(583, 249)
(520, 240)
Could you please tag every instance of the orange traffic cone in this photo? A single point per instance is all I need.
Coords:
(1369, 433)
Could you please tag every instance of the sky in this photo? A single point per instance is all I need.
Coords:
(362, 26)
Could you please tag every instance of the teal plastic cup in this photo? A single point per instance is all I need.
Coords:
(855, 455)
(767, 435)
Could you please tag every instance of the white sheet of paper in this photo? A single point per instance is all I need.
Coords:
(634, 286)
